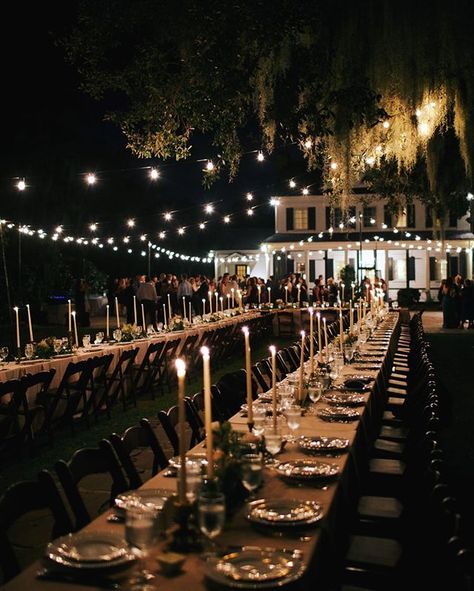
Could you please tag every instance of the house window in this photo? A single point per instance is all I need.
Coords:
(387, 216)
(453, 219)
(370, 213)
(241, 270)
(333, 217)
(411, 217)
(300, 218)
(428, 217)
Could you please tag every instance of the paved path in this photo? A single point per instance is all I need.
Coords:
(433, 323)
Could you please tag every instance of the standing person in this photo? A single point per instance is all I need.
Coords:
(251, 297)
(146, 295)
(467, 304)
(233, 285)
(202, 294)
(450, 315)
(80, 297)
(331, 292)
(127, 299)
(185, 291)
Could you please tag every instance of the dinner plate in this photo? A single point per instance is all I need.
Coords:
(153, 497)
(268, 410)
(90, 550)
(255, 568)
(344, 399)
(284, 513)
(338, 413)
(307, 470)
(59, 355)
(323, 445)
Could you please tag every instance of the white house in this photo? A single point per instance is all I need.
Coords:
(314, 239)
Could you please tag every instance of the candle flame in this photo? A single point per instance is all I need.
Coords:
(302, 333)
(318, 314)
(73, 312)
(272, 349)
(245, 330)
(205, 352)
(181, 367)
(311, 310)
(16, 308)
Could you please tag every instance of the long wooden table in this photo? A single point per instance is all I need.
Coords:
(312, 542)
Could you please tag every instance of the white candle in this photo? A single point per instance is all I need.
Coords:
(300, 386)
(320, 344)
(181, 373)
(170, 315)
(107, 329)
(75, 328)
(222, 303)
(351, 312)
(228, 301)
(117, 313)
(69, 315)
(274, 387)
(217, 301)
(207, 409)
(232, 292)
(184, 308)
(259, 289)
(30, 326)
(164, 317)
(299, 292)
(352, 285)
(210, 302)
(18, 342)
(135, 320)
(203, 306)
(269, 290)
(341, 331)
(286, 294)
(190, 313)
(311, 340)
(143, 320)
(248, 370)
(326, 340)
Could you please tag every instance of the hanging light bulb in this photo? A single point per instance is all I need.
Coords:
(21, 185)
(210, 165)
(130, 223)
(180, 231)
(91, 179)
(292, 184)
(202, 225)
(162, 235)
(92, 227)
(110, 240)
(226, 219)
(249, 197)
(58, 229)
(168, 216)
(250, 211)
(209, 208)
(305, 191)
(126, 239)
(260, 156)
(143, 237)
(154, 174)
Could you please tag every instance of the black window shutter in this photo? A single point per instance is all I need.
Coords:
(390, 268)
(433, 269)
(329, 268)
(463, 263)
(311, 218)
(328, 217)
(411, 269)
(289, 218)
(290, 266)
(312, 270)
(428, 217)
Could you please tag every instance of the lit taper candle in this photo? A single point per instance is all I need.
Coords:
(274, 387)
(300, 386)
(206, 368)
(30, 326)
(181, 373)
(248, 371)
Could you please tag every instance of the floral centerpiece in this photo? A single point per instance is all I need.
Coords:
(350, 339)
(45, 348)
(128, 332)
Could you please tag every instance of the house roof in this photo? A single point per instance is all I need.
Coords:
(369, 234)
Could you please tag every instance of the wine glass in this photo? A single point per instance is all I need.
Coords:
(29, 351)
(348, 352)
(99, 337)
(140, 533)
(315, 391)
(293, 419)
(193, 479)
(4, 352)
(117, 334)
(86, 341)
(251, 471)
(259, 414)
(57, 345)
(273, 441)
(138, 331)
(211, 515)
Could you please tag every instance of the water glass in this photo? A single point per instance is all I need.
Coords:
(140, 533)
(348, 352)
(193, 479)
(315, 390)
(99, 337)
(117, 334)
(211, 514)
(57, 345)
(251, 471)
(273, 441)
(29, 351)
(4, 352)
(293, 418)
(86, 341)
(259, 414)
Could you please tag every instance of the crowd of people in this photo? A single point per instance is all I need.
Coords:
(456, 295)
(180, 293)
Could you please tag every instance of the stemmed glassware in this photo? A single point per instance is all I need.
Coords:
(4, 352)
(86, 341)
(273, 441)
(57, 345)
(251, 471)
(117, 334)
(293, 420)
(211, 515)
(140, 533)
(259, 414)
(99, 337)
(29, 350)
(315, 391)
(349, 352)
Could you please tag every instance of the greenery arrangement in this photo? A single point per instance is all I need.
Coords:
(45, 348)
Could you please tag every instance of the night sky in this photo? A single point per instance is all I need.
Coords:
(53, 133)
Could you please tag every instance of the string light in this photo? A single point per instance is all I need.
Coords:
(260, 157)
(143, 237)
(370, 160)
(333, 165)
(181, 231)
(91, 179)
(93, 227)
(130, 223)
(274, 202)
(168, 216)
(308, 144)
(249, 197)
(386, 124)
(209, 208)
(250, 211)
(21, 185)
(161, 235)
(59, 229)
(305, 191)
(126, 239)
(226, 219)
(292, 184)
(210, 165)
(202, 225)
(154, 174)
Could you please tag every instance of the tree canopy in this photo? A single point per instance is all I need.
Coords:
(360, 86)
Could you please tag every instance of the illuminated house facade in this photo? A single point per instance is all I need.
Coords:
(314, 239)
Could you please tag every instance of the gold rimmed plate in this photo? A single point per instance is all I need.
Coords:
(338, 413)
(307, 470)
(344, 399)
(323, 445)
(284, 513)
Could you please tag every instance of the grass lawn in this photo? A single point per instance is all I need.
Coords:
(453, 356)
(66, 443)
